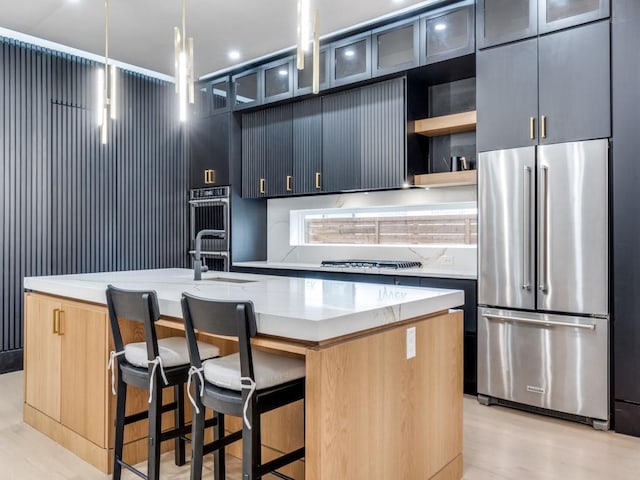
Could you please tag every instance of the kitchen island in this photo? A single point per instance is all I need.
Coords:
(383, 368)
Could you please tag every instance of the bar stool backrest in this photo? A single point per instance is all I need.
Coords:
(138, 306)
(219, 317)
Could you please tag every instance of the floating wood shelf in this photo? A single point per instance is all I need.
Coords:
(447, 179)
(446, 124)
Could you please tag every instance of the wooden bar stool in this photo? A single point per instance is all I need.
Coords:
(154, 365)
(245, 384)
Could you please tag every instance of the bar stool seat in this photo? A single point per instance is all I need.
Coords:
(173, 351)
(269, 370)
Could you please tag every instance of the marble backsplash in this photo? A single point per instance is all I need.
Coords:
(458, 259)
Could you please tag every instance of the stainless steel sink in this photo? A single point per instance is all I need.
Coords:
(228, 280)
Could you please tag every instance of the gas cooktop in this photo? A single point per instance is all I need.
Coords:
(371, 263)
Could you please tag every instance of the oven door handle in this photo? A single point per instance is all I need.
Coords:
(207, 201)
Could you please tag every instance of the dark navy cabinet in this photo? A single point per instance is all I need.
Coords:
(247, 89)
(209, 151)
(277, 78)
(553, 89)
(447, 33)
(504, 21)
(351, 60)
(303, 79)
(395, 47)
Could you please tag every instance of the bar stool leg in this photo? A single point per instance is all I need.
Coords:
(219, 469)
(155, 431)
(251, 457)
(178, 392)
(121, 402)
(197, 442)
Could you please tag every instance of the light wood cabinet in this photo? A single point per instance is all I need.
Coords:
(42, 355)
(66, 352)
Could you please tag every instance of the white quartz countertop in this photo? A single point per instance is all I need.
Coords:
(296, 308)
(408, 272)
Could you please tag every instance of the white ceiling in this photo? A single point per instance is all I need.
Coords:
(141, 31)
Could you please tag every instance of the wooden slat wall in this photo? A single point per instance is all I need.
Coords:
(69, 204)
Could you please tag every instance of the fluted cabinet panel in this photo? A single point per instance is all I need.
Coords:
(69, 204)
(341, 141)
(307, 146)
(383, 134)
(254, 155)
(279, 150)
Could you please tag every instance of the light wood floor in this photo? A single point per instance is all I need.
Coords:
(499, 444)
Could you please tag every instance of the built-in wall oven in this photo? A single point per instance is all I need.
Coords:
(209, 210)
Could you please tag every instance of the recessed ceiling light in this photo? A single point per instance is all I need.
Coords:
(398, 1)
(283, 72)
(234, 55)
(440, 26)
(349, 53)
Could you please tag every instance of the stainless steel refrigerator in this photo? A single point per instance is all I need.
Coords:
(543, 278)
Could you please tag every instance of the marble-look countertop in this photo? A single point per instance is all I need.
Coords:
(408, 272)
(296, 308)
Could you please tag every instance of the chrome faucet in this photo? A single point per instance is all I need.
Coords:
(198, 264)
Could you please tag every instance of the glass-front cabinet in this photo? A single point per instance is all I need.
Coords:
(212, 97)
(557, 14)
(447, 33)
(503, 21)
(220, 95)
(247, 89)
(303, 79)
(396, 47)
(278, 80)
(351, 60)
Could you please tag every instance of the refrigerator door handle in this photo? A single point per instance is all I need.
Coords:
(543, 229)
(526, 224)
(546, 323)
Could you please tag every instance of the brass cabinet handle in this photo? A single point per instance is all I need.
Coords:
(56, 320)
(209, 177)
(289, 178)
(262, 185)
(60, 314)
(543, 126)
(532, 128)
(318, 180)
(57, 330)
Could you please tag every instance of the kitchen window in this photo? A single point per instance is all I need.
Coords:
(451, 224)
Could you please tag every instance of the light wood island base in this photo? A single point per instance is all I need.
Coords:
(371, 413)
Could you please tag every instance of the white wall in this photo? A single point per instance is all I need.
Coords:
(462, 259)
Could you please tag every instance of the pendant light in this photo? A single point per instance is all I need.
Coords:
(308, 35)
(106, 85)
(185, 82)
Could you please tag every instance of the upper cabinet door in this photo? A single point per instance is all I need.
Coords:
(254, 178)
(558, 14)
(303, 79)
(277, 80)
(220, 95)
(307, 146)
(351, 60)
(396, 47)
(502, 21)
(247, 89)
(507, 96)
(575, 84)
(341, 146)
(447, 33)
